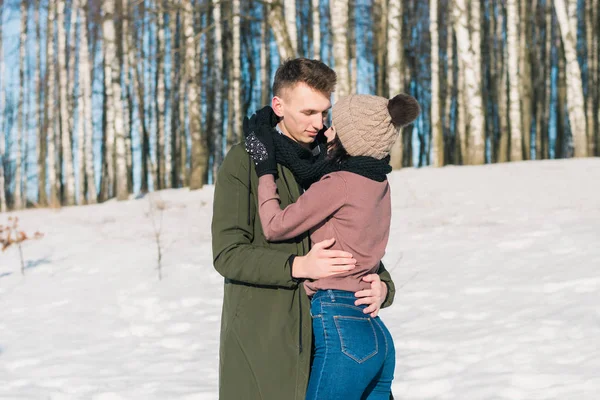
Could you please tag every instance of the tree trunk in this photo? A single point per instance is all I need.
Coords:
(121, 152)
(2, 115)
(395, 52)
(524, 73)
(450, 123)
(39, 115)
(86, 88)
(290, 23)
(592, 84)
(265, 61)
(65, 133)
(514, 97)
(339, 26)
(380, 19)
(469, 51)
(503, 107)
(53, 178)
(139, 91)
(217, 80)
(575, 102)
(353, 64)
(175, 93)
(18, 192)
(237, 77)
(316, 29)
(280, 32)
(199, 159)
(160, 98)
(437, 134)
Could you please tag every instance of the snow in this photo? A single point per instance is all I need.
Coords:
(496, 267)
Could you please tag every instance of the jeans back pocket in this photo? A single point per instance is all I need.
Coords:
(357, 337)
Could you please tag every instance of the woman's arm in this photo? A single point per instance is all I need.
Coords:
(319, 202)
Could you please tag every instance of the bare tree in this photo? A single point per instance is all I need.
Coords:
(265, 60)
(316, 29)
(217, 84)
(437, 140)
(575, 102)
(395, 52)
(160, 96)
(236, 84)
(65, 133)
(53, 177)
(18, 193)
(290, 22)
(2, 115)
(85, 110)
(352, 56)
(339, 26)
(199, 152)
(280, 32)
(514, 98)
(469, 45)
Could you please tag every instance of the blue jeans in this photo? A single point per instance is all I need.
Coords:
(354, 355)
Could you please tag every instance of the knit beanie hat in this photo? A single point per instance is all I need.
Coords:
(369, 125)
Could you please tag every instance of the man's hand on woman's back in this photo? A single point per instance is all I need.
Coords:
(320, 262)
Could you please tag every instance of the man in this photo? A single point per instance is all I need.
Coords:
(266, 333)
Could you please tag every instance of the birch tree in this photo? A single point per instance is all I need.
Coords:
(53, 178)
(40, 133)
(2, 115)
(217, 81)
(120, 139)
(339, 26)
(591, 30)
(237, 77)
(265, 60)
(199, 153)
(395, 52)
(514, 82)
(575, 102)
(65, 134)
(18, 194)
(290, 22)
(160, 97)
(468, 46)
(437, 139)
(316, 28)
(352, 56)
(85, 106)
(282, 36)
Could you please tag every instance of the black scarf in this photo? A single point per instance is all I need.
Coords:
(310, 166)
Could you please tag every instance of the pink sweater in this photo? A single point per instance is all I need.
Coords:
(354, 210)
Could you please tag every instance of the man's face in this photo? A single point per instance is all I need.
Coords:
(303, 110)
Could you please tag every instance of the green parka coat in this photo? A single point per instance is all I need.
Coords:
(266, 328)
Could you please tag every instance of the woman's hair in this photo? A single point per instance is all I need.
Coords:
(336, 153)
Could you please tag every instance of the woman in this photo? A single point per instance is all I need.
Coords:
(349, 200)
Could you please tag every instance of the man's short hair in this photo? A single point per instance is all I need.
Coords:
(313, 73)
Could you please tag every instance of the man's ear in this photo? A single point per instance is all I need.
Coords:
(277, 106)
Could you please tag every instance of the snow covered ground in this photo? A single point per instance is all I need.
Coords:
(497, 269)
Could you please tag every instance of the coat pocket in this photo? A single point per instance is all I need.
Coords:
(357, 337)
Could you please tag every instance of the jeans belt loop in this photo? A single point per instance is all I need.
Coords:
(331, 295)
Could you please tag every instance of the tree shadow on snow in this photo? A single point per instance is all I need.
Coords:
(36, 263)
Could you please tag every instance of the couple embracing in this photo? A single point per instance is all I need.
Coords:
(300, 224)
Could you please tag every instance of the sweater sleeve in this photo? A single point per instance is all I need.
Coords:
(320, 201)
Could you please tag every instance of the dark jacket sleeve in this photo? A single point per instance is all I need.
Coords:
(234, 255)
(385, 277)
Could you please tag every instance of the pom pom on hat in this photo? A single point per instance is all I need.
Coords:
(403, 109)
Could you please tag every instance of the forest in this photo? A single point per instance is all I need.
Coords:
(105, 99)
